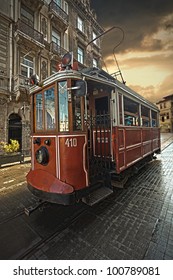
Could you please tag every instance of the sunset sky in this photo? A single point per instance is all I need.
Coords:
(145, 56)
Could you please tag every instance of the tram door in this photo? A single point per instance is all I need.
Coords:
(100, 151)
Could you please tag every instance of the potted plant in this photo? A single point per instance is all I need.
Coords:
(9, 152)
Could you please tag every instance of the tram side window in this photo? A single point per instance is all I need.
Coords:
(39, 111)
(120, 109)
(49, 99)
(63, 107)
(145, 116)
(154, 119)
(77, 121)
(131, 112)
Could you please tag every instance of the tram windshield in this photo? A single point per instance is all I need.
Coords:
(63, 106)
(45, 114)
(59, 108)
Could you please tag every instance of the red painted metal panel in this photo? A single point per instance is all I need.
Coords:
(133, 136)
(46, 182)
(121, 139)
(132, 155)
(72, 160)
(131, 144)
(147, 148)
(51, 166)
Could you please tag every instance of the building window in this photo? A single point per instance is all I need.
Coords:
(27, 16)
(66, 45)
(56, 38)
(26, 66)
(66, 7)
(80, 55)
(95, 62)
(164, 105)
(80, 24)
(162, 118)
(97, 41)
(160, 106)
(167, 116)
(58, 2)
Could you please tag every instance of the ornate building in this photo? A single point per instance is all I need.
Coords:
(34, 35)
(166, 113)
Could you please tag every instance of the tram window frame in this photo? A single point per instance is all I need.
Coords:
(66, 127)
(37, 114)
(154, 118)
(120, 108)
(47, 125)
(43, 121)
(77, 109)
(145, 116)
(131, 112)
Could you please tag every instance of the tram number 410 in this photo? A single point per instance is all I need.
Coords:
(71, 142)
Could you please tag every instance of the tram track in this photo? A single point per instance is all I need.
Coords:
(64, 225)
(8, 219)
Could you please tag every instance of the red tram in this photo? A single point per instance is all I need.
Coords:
(90, 132)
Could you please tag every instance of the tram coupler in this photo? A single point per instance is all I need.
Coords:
(31, 209)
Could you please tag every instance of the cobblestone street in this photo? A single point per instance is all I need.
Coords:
(134, 223)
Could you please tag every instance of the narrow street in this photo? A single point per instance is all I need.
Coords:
(134, 223)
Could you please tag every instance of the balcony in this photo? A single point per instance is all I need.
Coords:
(58, 15)
(36, 5)
(4, 84)
(56, 49)
(28, 33)
(21, 84)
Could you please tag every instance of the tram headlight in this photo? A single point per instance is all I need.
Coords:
(42, 156)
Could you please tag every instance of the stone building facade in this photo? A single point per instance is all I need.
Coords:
(166, 113)
(34, 35)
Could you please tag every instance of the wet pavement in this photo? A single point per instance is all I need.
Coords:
(134, 223)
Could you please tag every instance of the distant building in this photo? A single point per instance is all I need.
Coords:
(166, 113)
(34, 35)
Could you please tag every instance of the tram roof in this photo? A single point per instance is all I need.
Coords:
(97, 75)
(103, 76)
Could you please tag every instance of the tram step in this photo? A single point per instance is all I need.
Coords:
(119, 183)
(97, 195)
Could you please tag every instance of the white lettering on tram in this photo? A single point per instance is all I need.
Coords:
(71, 142)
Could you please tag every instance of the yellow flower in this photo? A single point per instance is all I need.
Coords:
(10, 148)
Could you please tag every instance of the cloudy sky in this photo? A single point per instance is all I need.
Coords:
(145, 56)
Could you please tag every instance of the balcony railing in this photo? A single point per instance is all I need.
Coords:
(29, 31)
(56, 49)
(55, 9)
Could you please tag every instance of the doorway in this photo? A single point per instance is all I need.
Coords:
(15, 129)
(101, 105)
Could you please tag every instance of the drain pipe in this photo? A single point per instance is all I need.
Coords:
(11, 47)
